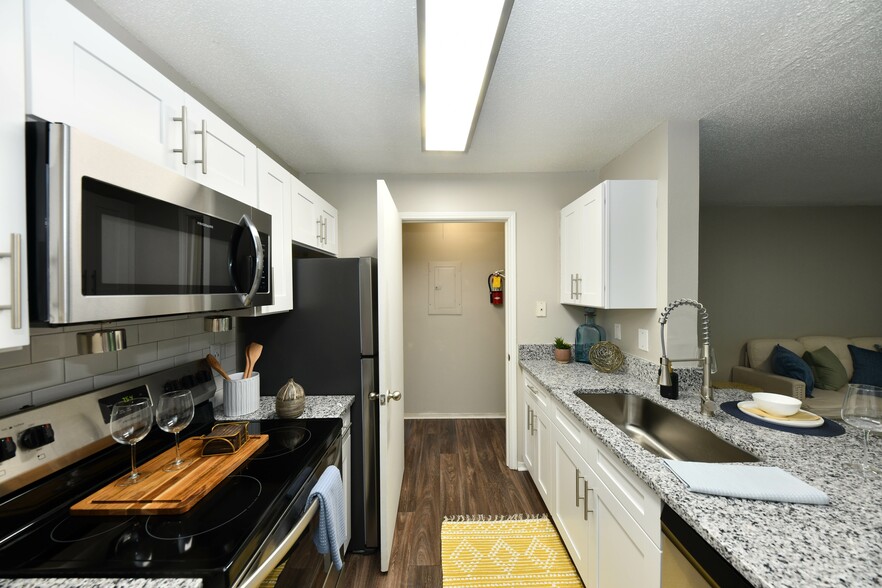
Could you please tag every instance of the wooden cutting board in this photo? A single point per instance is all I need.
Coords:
(171, 493)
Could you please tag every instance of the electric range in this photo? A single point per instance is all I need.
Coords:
(222, 539)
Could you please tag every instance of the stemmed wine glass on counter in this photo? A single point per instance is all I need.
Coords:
(130, 421)
(862, 408)
(174, 413)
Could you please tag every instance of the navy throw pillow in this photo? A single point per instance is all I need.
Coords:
(788, 364)
(867, 366)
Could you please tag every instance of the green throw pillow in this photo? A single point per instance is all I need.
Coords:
(828, 370)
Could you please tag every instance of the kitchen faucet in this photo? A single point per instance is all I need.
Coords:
(708, 406)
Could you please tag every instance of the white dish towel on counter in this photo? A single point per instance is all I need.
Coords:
(744, 481)
(332, 516)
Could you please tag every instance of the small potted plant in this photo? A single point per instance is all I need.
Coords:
(562, 351)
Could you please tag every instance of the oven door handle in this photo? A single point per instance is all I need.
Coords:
(282, 550)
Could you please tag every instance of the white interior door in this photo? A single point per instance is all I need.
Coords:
(391, 362)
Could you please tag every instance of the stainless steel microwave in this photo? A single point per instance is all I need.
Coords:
(112, 236)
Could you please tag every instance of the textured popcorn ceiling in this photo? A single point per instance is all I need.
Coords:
(788, 92)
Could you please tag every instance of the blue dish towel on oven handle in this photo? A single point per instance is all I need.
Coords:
(331, 531)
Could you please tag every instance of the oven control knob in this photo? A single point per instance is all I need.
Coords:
(7, 448)
(37, 436)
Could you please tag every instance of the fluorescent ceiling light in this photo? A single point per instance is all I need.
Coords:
(459, 40)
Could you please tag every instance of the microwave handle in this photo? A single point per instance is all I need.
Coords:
(248, 226)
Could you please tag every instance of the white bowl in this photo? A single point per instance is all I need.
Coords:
(777, 404)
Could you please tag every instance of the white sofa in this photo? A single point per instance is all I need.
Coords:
(757, 369)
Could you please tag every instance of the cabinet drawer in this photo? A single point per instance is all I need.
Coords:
(541, 397)
(640, 502)
(571, 429)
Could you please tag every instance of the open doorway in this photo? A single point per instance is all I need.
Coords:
(454, 337)
(508, 220)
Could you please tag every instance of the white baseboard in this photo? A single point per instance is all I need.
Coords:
(453, 415)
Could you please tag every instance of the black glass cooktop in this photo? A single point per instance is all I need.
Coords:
(214, 540)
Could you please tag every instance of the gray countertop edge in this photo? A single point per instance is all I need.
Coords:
(772, 544)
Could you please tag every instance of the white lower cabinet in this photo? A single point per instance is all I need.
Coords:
(574, 510)
(608, 519)
(539, 442)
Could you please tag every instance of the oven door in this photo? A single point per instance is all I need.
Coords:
(116, 237)
(291, 541)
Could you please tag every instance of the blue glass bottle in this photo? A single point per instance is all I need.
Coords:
(587, 335)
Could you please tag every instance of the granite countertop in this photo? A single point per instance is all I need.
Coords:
(317, 407)
(772, 544)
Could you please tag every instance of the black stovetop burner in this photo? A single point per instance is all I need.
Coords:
(214, 540)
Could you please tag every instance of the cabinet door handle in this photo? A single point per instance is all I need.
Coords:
(318, 229)
(579, 477)
(325, 231)
(572, 286)
(204, 160)
(587, 510)
(183, 120)
(533, 422)
(578, 286)
(529, 410)
(14, 256)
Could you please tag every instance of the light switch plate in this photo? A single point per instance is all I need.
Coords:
(617, 332)
(643, 339)
(540, 308)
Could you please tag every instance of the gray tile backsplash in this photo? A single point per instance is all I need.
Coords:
(50, 369)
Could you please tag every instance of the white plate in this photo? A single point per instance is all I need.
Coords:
(784, 422)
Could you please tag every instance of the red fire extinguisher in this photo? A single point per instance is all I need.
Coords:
(495, 282)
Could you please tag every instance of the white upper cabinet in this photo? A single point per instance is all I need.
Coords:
(80, 75)
(219, 156)
(313, 220)
(274, 198)
(609, 248)
(14, 331)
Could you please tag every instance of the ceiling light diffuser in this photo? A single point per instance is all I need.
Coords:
(459, 41)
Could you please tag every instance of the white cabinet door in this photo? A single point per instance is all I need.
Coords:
(313, 219)
(327, 216)
(609, 247)
(305, 225)
(529, 440)
(81, 75)
(13, 236)
(570, 250)
(274, 198)
(220, 157)
(574, 510)
(625, 555)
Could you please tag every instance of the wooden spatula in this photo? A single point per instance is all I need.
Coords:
(216, 366)
(252, 353)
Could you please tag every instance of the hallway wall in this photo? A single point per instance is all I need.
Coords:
(454, 364)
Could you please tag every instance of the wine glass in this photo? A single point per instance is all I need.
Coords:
(174, 413)
(862, 408)
(130, 421)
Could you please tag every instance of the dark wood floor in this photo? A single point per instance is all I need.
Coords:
(451, 467)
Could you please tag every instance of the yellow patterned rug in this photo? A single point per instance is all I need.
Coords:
(521, 550)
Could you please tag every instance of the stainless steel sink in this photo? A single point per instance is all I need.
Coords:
(661, 431)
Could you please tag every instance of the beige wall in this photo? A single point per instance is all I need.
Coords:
(535, 198)
(788, 272)
(668, 154)
(455, 363)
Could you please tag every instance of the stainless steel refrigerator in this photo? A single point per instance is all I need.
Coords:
(328, 344)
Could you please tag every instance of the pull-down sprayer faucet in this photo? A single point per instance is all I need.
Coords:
(708, 406)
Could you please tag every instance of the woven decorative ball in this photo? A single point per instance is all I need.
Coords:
(606, 357)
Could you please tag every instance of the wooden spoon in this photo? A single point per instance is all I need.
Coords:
(215, 364)
(252, 353)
